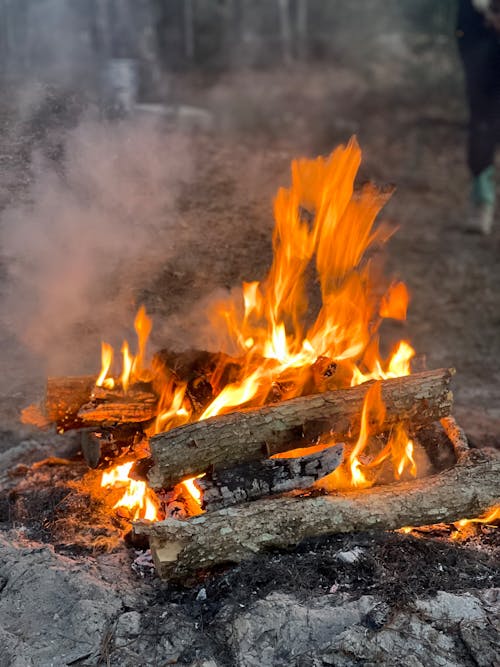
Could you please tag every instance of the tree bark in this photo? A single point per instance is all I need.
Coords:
(254, 433)
(232, 486)
(235, 534)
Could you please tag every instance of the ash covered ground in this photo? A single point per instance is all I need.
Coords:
(351, 600)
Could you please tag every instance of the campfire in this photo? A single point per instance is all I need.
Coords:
(297, 426)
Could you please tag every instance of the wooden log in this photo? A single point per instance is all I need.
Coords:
(235, 534)
(230, 486)
(64, 396)
(252, 434)
(119, 412)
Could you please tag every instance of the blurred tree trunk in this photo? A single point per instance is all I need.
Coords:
(301, 29)
(189, 49)
(285, 31)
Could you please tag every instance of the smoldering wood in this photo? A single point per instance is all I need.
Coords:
(230, 486)
(64, 396)
(256, 433)
(235, 534)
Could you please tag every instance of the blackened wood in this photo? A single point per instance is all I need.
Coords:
(235, 534)
(230, 486)
(256, 433)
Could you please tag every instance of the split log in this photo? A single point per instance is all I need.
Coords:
(64, 396)
(232, 535)
(231, 486)
(254, 433)
(119, 412)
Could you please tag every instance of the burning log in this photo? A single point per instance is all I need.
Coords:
(64, 396)
(232, 535)
(133, 410)
(75, 402)
(230, 486)
(251, 434)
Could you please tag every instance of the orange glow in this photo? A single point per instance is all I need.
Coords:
(142, 326)
(137, 498)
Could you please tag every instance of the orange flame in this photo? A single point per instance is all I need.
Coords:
(137, 498)
(106, 361)
(490, 517)
(324, 228)
(133, 366)
(374, 411)
(319, 220)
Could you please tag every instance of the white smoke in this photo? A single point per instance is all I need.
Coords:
(92, 231)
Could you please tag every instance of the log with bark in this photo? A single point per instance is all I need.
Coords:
(235, 534)
(255, 433)
(230, 486)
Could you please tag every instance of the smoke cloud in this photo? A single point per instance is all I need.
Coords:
(92, 230)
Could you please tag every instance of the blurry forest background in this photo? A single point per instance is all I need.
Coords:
(68, 42)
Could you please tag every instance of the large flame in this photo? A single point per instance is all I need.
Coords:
(324, 235)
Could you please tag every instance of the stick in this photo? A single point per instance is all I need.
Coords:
(251, 434)
(126, 412)
(238, 533)
(231, 486)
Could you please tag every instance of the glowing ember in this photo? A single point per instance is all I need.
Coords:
(137, 498)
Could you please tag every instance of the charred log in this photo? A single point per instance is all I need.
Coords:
(231, 486)
(252, 434)
(232, 535)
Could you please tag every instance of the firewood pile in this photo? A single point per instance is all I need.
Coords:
(254, 496)
(307, 430)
